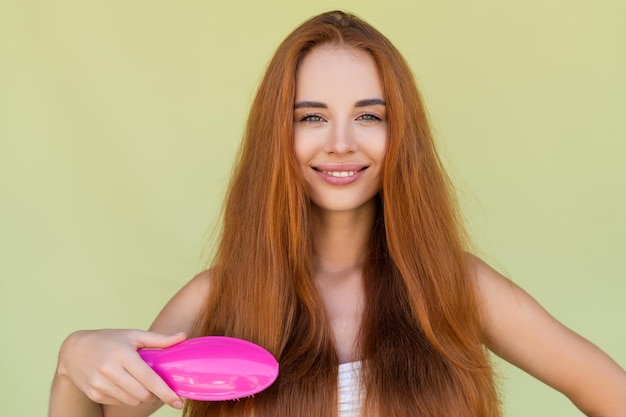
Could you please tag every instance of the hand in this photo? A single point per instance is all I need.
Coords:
(104, 364)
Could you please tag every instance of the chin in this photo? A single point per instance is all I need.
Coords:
(338, 205)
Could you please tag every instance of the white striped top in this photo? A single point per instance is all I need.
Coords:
(349, 387)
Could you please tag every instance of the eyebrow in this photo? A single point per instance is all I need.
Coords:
(370, 102)
(318, 105)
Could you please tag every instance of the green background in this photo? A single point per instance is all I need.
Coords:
(119, 121)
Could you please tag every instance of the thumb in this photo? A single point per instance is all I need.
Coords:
(147, 339)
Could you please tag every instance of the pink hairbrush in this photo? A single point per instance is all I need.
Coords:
(213, 368)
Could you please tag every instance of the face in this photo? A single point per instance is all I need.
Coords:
(340, 127)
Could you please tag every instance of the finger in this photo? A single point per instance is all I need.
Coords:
(152, 382)
(129, 385)
(106, 400)
(144, 339)
(104, 392)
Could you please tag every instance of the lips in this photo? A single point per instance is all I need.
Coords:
(340, 174)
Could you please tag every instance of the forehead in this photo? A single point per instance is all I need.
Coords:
(329, 70)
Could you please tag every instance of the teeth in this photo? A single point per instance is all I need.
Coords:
(340, 173)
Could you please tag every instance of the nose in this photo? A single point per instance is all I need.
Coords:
(341, 139)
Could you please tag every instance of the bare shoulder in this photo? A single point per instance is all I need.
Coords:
(518, 329)
(484, 275)
(494, 290)
(180, 312)
(508, 313)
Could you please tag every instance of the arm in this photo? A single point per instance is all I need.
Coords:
(519, 330)
(100, 373)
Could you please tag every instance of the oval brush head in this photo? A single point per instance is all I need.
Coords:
(213, 368)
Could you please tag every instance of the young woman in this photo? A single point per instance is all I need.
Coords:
(342, 254)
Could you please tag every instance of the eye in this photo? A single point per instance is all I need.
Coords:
(369, 117)
(312, 118)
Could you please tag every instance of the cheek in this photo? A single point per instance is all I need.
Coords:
(377, 148)
(381, 150)
(306, 145)
(302, 150)
(374, 142)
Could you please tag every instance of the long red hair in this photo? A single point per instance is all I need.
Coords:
(420, 339)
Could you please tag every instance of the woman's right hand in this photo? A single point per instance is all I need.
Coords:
(105, 366)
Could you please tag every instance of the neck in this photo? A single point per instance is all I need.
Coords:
(341, 238)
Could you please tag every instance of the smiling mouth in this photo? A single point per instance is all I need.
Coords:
(340, 174)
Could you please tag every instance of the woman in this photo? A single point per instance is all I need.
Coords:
(341, 253)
